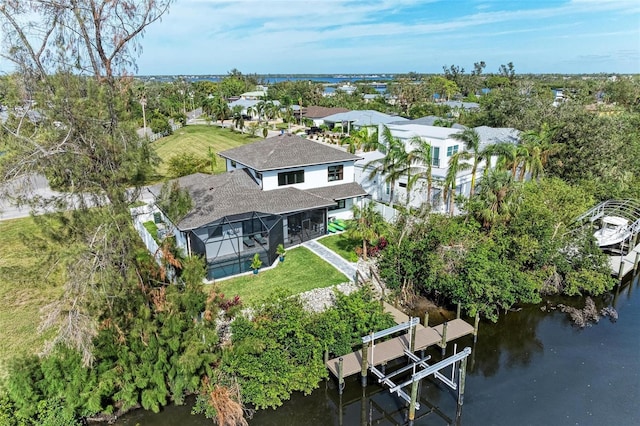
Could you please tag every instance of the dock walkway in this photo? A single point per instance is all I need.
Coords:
(394, 348)
(621, 265)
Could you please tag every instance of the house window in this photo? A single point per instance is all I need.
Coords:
(435, 156)
(215, 232)
(335, 172)
(452, 150)
(387, 188)
(341, 204)
(233, 164)
(402, 184)
(290, 178)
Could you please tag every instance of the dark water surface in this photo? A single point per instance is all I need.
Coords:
(531, 368)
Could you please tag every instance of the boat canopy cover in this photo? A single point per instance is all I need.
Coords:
(615, 220)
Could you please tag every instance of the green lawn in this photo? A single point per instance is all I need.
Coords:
(26, 284)
(197, 140)
(301, 271)
(342, 245)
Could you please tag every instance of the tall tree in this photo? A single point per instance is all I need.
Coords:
(422, 163)
(394, 164)
(363, 139)
(540, 146)
(72, 58)
(471, 140)
(238, 117)
(455, 166)
(367, 224)
(499, 198)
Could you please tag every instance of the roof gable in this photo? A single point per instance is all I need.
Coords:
(286, 151)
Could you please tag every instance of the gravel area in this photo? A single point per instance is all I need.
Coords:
(319, 299)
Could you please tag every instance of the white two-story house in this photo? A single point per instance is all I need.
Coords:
(280, 190)
(443, 146)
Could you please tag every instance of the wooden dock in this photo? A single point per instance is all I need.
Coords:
(621, 265)
(394, 348)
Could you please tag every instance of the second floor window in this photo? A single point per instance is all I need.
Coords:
(290, 178)
(452, 150)
(435, 156)
(335, 172)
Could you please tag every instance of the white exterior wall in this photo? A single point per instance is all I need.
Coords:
(314, 176)
(345, 213)
(438, 137)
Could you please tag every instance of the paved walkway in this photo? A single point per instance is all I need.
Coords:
(347, 268)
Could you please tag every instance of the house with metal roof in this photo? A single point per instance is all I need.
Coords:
(280, 190)
(361, 118)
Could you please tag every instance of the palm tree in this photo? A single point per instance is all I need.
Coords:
(471, 140)
(498, 197)
(367, 224)
(287, 115)
(422, 159)
(220, 110)
(540, 147)
(271, 112)
(510, 156)
(455, 166)
(361, 139)
(394, 164)
(238, 117)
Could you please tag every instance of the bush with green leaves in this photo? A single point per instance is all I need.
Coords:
(280, 350)
(455, 260)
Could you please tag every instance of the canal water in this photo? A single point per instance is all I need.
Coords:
(531, 368)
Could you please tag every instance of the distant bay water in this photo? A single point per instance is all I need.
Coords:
(277, 78)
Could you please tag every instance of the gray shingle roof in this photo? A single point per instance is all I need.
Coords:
(235, 193)
(285, 151)
(339, 192)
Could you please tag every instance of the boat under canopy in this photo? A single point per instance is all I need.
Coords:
(613, 230)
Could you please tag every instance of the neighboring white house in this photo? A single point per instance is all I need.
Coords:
(280, 190)
(443, 146)
(353, 120)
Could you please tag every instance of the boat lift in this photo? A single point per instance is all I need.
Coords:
(418, 366)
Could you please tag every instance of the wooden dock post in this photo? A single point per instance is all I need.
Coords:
(476, 325)
(443, 342)
(412, 404)
(412, 338)
(426, 319)
(340, 377)
(458, 311)
(461, 380)
(365, 364)
(621, 269)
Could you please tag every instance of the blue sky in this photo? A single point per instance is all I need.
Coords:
(393, 36)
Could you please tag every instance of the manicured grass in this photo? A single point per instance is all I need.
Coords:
(301, 271)
(196, 140)
(26, 285)
(152, 228)
(342, 245)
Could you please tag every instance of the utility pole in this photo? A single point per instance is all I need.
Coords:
(143, 102)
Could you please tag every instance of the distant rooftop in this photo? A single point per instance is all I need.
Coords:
(364, 118)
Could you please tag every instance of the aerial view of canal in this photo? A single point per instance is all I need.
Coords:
(531, 368)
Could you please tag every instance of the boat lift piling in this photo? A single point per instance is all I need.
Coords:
(374, 357)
